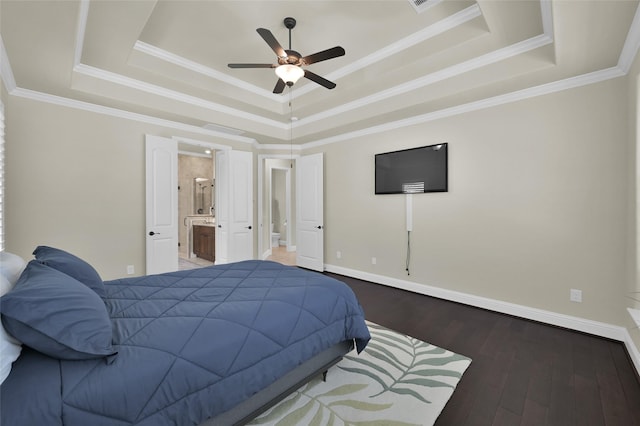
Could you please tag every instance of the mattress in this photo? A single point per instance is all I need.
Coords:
(191, 345)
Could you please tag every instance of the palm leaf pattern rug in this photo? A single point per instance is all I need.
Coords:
(396, 381)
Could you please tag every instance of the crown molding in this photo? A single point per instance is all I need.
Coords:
(83, 15)
(437, 28)
(569, 83)
(631, 44)
(627, 56)
(173, 94)
(114, 112)
(547, 18)
(443, 74)
(196, 67)
(5, 69)
(431, 31)
(543, 89)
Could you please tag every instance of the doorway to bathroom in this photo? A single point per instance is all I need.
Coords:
(233, 181)
(196, 206)
(276, 204)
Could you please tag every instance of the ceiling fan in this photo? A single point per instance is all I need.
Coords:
(289, 67)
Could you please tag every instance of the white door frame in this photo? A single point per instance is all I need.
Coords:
(287, 213)
(208, 145)
(264, 251)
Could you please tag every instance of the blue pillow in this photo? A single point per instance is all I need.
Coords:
(57, 315)
(71, 265)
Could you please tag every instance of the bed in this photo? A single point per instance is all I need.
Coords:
(209, 346)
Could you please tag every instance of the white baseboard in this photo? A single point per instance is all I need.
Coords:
(601, 329)
(633, 350)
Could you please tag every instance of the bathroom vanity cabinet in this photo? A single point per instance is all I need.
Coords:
(204, 242)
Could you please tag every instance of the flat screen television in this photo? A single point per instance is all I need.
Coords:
(412, 171)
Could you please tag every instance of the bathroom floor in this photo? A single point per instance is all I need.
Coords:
(281, 255)
(195, 262)
(278, 254)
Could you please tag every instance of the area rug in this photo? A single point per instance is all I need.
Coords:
(396, 381)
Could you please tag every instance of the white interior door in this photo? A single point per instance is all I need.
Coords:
(241, 206)
(222, 207)
(161, 204)
(310, 212)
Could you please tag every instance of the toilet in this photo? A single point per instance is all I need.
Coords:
(275, 238)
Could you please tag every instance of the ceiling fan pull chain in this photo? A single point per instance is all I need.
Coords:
(290, 127)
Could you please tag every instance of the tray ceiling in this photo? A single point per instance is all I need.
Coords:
(168, 59)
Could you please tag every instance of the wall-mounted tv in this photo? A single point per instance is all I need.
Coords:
(412, 171)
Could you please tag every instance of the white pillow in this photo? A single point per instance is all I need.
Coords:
(11, 266)
(9, 351)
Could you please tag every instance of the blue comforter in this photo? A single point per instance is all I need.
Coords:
(191, 345)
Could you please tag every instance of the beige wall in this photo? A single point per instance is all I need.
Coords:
(537, 204)
(75, 180)
(632, 299)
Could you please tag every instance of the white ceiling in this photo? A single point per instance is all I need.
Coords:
(168, 59)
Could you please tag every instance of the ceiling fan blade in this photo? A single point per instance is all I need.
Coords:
(334, 52)
(272, 42)
(280, 85)
(251, 66)
(320, 80)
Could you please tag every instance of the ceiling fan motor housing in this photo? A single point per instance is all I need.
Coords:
(292, 58)
(289, 22)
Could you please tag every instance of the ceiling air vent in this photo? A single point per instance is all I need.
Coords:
(422, 5)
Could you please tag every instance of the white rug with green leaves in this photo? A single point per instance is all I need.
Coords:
(397, 380)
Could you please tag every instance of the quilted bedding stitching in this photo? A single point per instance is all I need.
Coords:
(127, 297)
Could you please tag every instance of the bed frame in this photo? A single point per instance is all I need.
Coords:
(268, 397)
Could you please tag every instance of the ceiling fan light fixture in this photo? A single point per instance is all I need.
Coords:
(289, 73)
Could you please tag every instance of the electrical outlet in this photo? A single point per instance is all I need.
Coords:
(373, 261)
(338, 254)
(575, 295)
(130, 270)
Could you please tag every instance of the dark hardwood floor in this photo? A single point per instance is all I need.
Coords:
(523, 372)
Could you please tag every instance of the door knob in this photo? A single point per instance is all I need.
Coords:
(249, 227)
(153, 233)
(319, 226)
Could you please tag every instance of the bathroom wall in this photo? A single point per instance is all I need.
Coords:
(190, 167)
(279, 203)
(271, 164)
